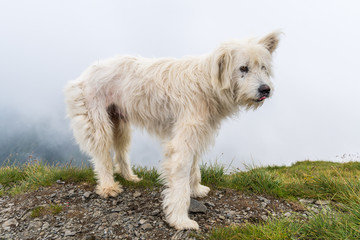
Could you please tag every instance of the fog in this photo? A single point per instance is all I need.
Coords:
(314, 112)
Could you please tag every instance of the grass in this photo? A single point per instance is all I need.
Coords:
(18, 179)
(318, 180)
(32, 175)
(45, 210)
(325, 225)
(338, 182)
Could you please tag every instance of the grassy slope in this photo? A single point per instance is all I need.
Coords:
(319, 180)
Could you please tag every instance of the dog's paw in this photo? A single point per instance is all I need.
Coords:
(185, 224)
(200, 191)
(109, 190)
(133, 178)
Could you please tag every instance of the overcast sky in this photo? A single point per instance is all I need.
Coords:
(314, 113)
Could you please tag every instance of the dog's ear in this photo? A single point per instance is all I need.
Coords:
(221, 69)
(271, 41)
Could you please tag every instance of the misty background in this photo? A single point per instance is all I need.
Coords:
(314, 113)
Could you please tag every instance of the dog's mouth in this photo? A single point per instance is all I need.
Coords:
(260, 99)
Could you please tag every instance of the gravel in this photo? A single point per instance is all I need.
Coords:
(134, 214)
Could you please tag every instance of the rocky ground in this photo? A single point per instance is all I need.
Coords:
(69, 211)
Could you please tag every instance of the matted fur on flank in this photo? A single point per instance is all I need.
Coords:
(182, 101)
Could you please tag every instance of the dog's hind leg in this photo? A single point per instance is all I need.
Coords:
(94, 133)
(121, 145)
(197, 190)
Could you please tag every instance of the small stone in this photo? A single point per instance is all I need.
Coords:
(155, 212)
(210, 204)
(1, 186)
(287, 214)
(27, 215)
(116, 223)
(87, 194)
(248, 209)
(69, 233)
(322, 202)
(142, 221)
(117, 209)
(45, 225)
(306, 201)
(265, 200)
(264, 217)
(263, 204)
(147, 226)
(221, 217)
(137, 194)
(10, 223)
(71, 191)
(230, 213)
(60, 182)
(35, 225)
(315, 210)
(196, 206)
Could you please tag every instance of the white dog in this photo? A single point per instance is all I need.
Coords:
(182, 101)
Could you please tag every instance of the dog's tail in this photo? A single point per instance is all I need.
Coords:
(92, 127)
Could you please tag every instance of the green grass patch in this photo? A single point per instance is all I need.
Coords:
(18, 179)
(306, 179)
(149, 176)
(334, 225)
(46, 210)
(30, 176)
(257, 180)
(213, 174)
(319, 180)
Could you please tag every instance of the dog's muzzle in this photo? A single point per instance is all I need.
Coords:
(264, 92)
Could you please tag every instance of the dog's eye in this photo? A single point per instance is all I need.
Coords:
(244, 69)
(263, 68)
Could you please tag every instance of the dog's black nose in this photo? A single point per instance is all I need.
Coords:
(264, 89)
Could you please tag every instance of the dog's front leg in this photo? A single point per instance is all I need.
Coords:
(180, 153)
(177, 194)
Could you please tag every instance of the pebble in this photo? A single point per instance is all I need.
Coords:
(137, 194)
(45, 225)
(10, 223)
(322, 202)
(87, 194)
(69, 233)
(117, 209)
(146, 226)
(155, 212)
(265, 200)
(306, 201)
(210, 204)
(287, 214)
(197, 207)
(35, 225)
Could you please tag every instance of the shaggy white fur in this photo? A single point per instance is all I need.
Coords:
(182, 101)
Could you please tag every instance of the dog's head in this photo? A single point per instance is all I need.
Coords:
(243, 69)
